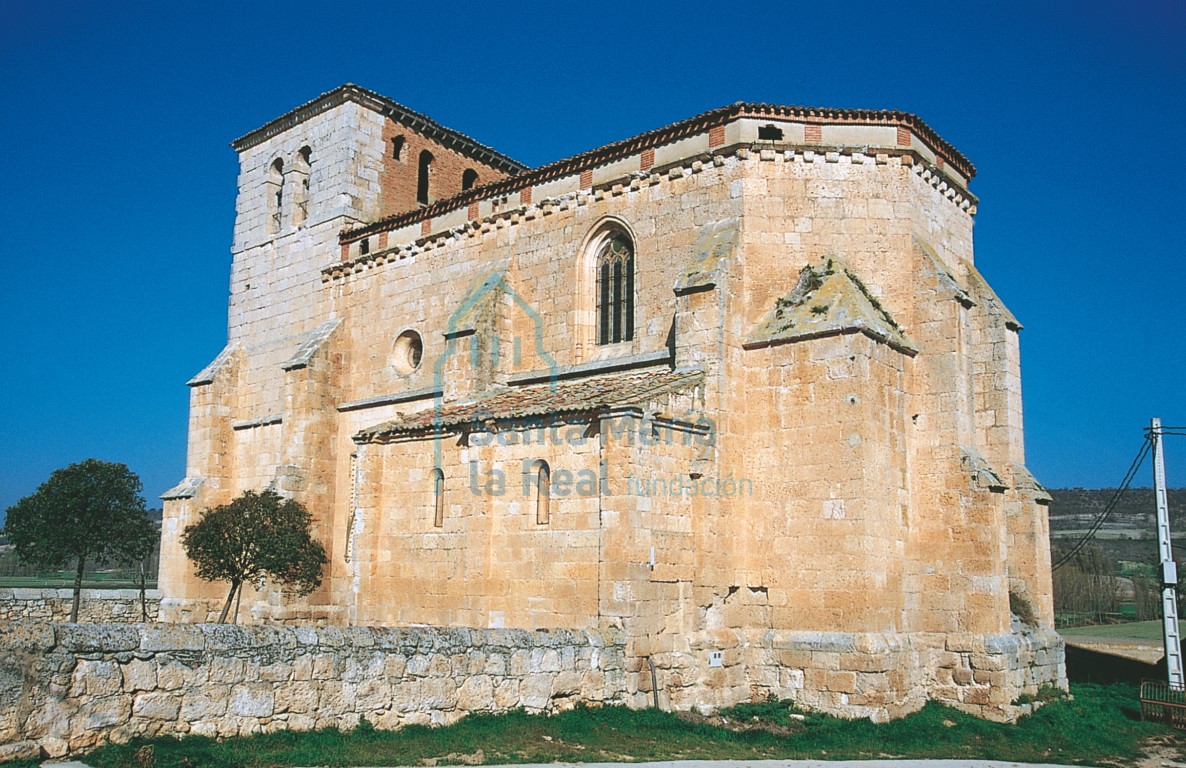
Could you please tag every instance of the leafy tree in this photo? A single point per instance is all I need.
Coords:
(255, 536)
(139, 550)
(90, 512)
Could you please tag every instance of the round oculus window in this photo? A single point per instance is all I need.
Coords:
(408, 351)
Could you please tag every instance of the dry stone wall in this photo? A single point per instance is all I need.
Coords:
(96, 606)
(68, 687)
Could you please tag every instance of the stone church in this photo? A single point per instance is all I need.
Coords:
(733, 389)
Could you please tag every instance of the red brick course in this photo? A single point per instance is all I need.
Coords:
(398, 179)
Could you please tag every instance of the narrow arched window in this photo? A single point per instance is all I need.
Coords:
(469, 179)
(276, 193)
(543, 493)
(438, 498)
(397, 147)
(304, 167)
(422, 180)
(615, 290)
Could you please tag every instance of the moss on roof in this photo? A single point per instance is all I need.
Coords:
(828, 300)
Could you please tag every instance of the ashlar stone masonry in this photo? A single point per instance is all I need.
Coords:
(67, 687)
(733, 388)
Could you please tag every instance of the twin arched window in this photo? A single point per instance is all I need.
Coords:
(543, 494)
(615, 289)
(296, 176)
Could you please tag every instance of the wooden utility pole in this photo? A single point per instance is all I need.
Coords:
(1169, 571)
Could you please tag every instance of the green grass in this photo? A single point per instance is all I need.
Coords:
(1100, 724)
(1136, 631)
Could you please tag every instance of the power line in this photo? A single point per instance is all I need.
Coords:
(1146, 446)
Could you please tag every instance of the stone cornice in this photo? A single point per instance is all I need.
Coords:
(945, 153)
(629, 183)
(381, 104)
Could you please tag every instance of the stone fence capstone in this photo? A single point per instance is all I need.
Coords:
(95, 607)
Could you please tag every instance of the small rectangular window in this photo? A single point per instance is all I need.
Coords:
(769, 133)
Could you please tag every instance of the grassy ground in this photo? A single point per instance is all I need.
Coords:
(1101, 725)
(1136, 631)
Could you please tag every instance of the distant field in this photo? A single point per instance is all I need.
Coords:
(1113, 534)
(1137, 631)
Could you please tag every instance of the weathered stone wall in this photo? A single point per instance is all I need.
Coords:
(882, 488)
(97, 606)
(67, 687)
(878, 675)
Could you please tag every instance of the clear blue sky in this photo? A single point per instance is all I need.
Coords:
(117, 186)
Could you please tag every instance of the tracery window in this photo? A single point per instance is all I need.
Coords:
(615, 290)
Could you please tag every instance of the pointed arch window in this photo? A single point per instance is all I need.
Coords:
(615, 290)
(438, 498)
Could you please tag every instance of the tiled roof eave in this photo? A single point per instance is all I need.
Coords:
(698, 124)
(393, 432)
(622, 394)
(383, 105)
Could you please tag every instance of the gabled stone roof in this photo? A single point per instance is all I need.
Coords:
(186, 489)
(377, 102)
(207, 374)
(592, 394)
(827, 301)
(984, 292)
(714, 246)
(310, 343)
(481, 300)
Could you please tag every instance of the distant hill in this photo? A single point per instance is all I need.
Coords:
(1129, 533)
